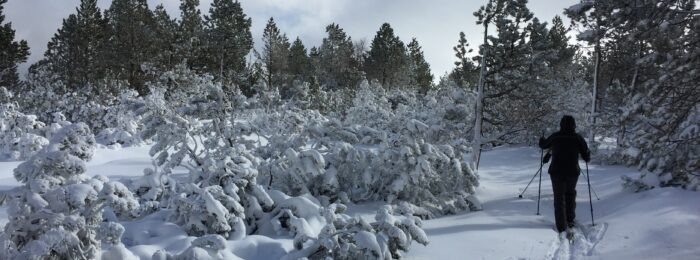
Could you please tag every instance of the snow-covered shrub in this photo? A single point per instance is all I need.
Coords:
(58, 121)
(370, 107)
(228, 200)
(207, 247)
(122, 122)
(21, 136)
(152, 189)
(298, 216)
(345, 237)
(55, 214)
(403, 167)
(665, 158)
(119, 199)
(294, 172)
(432, 176)
(110, 233)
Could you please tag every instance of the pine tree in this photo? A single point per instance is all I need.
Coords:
(132, 41)
(75, 52)
(228, 38)
(386, 61)
(299, 62)
(164, 44)
(12, 53)
(190, 41)
(465, 73)
(646, 60)
(274, 57)
(485, 16)
(337, 67)
(61, 55)
(419, 69)
(560, 42)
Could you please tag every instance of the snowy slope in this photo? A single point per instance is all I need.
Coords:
(657, 224)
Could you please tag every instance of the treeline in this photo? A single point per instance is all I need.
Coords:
(132, 43)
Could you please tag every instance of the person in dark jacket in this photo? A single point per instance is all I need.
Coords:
(565, 146)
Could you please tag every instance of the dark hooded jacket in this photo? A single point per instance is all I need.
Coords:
(566, 145)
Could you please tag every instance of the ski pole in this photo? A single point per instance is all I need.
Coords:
(528, 184)
(594, 193)
(539, 189)
(590, 200)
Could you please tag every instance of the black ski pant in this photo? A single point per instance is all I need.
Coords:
(564, 187)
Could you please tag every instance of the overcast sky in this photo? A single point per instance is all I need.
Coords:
(435, 23)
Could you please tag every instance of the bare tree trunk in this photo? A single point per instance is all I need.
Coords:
(596, 71)
(479, 113)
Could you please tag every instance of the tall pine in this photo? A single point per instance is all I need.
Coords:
(165, 29)
(337, 68)
(190, 41)
(465, 73)
(75, 52)
(420, 74)
(228, 39)
(274, 56)
(386, 61)
(299, 62)
(132, 41)
(13, 52)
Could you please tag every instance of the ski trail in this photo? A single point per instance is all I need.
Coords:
(585, 240)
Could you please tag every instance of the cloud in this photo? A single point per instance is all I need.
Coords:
(436, 24)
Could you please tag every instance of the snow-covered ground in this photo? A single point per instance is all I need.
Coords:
(657, 224)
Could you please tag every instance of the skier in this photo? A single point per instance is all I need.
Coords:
(565, 145)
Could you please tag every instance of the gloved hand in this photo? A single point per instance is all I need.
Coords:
(587, 156)
(546, 157)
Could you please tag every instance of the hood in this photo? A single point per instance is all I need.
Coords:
(567, 124)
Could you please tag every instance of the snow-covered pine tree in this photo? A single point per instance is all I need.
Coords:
(21, 136)
(420, 74)
(649, 43)
(56, 212)
(345, 237)
(122, 122)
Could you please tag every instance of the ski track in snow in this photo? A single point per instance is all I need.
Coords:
(584, 242)
(657, 224)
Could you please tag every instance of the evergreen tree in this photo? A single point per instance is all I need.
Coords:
(419, 68)
(386, 61)
(190, 42)
(299, 62)
(131, 41)
(12, 53)
(228, 38)
(274, 56)
(646, 60)
(61, 55)
(74, 54)
(164, 44)
(560, 41)
(465, 73)
(337, 67)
